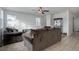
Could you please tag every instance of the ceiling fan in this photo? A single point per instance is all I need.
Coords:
(42, 11)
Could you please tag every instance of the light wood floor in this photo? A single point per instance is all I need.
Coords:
(70, 43)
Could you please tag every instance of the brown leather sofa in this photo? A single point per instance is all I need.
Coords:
(42, 38)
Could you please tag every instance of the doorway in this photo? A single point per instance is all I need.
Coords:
(76, 24)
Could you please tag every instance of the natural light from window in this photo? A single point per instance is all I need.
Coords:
(38, 22)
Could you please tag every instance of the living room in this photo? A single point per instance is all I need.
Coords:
(24, 19)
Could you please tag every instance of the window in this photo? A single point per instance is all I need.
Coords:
(11, 20)
(38, 22)
(48, 22)
(58, 22)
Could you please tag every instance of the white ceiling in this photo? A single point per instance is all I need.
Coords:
(52, 10)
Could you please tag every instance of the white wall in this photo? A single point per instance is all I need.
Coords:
(70, 23)
(67, 21)
(64, 16)
(28, 19)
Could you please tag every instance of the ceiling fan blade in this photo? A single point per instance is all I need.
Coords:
(45, 10)
(43, 13)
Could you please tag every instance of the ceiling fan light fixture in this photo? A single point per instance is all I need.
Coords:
(41, 11)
